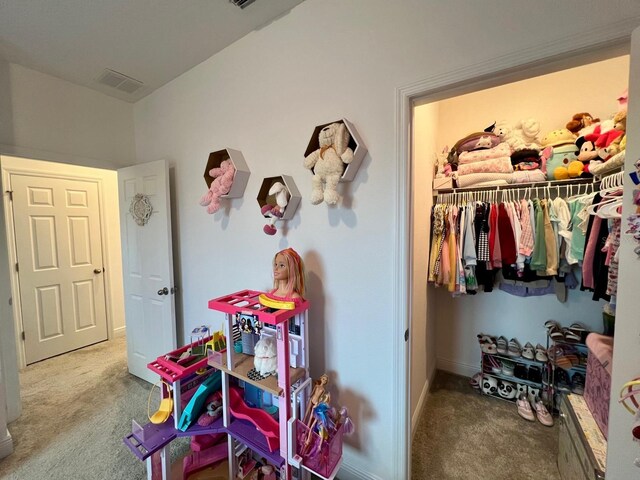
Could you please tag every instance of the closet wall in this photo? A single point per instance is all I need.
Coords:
(423, 352)
(552, 99)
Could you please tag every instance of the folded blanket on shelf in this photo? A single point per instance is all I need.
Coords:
(499, 151)
(529, 176)
(474, 179)
(614, 163)
(494, 165)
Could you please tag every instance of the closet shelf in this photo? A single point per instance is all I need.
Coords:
(513, 186)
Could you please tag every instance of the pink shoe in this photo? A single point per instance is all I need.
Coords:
(544, 417)
(266, 209)
(524, 408)
(269, 230)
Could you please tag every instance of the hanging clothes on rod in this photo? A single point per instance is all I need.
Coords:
(602, 240)
(526, 240)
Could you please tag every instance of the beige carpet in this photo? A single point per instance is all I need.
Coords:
(463, 435)
(76, 409)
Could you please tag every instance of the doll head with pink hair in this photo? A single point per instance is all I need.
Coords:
(288, 274)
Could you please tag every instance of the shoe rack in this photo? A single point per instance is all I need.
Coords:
(509, 376)
(567, 366)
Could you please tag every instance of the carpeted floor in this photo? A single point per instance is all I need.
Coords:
(76, 409)
(464, 435)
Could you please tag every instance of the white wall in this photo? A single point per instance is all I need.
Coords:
(552, 99)
(263, 95)
(622, 449)
(46, 118)
(425, 120)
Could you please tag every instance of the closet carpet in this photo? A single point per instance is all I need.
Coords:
(464, 435)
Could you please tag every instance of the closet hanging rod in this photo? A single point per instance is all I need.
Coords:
(511, 186)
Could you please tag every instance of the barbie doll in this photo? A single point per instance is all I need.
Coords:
(288, 281)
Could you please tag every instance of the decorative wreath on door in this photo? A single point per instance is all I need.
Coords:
(141, 209)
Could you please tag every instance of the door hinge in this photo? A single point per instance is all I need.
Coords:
(406, 335)
(10, 192)
(23, 336)
(17, 267)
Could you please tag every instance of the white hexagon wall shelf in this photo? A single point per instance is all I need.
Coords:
(355, 143)
(241, 176)
(293, 200)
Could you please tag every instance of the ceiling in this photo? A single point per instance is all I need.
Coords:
(151, 41)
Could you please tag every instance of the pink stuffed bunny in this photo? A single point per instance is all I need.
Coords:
(222, 181)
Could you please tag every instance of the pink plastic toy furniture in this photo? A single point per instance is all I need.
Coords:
(264, 422)
(203, 459)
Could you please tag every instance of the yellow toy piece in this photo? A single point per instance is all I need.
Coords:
(166, 405)
(277, 304)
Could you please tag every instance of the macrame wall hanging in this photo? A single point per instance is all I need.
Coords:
(141, 209)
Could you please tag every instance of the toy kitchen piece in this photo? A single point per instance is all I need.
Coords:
(258, 416)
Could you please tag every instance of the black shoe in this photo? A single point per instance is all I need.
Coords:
(535, 374)
(520, 371)
(577, 383)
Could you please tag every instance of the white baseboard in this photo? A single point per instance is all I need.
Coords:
(351, 471)
(418, 411)
(6, 446)
(458, 368)
(423, 398)
(119, 332)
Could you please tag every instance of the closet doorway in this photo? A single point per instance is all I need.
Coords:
(444, 329)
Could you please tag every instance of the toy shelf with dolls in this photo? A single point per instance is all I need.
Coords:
(248, 403)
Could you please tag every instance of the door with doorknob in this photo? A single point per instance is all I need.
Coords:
(59, 252)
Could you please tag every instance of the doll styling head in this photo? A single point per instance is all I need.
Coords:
(288, 274)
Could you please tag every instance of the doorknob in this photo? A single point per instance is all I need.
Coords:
(97, 270)
(163, 291)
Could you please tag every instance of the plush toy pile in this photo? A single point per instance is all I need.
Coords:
(507, 153)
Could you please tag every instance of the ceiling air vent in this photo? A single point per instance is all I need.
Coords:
(242, 3)
(119, 81)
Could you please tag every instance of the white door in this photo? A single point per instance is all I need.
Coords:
(147, 267)
(59, 252)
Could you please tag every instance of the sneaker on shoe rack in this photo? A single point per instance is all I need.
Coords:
(577, 383)
(501, 345)
(562, 381)
(514, 349)
(535, 374)
(541, 353)
(543, 415)
(524, 408)
(532, 393)
(528, 351)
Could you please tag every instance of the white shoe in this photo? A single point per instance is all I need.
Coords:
(544, 417)
(524, 408)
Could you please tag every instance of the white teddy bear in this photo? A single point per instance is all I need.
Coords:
(265, 360)
(523, 135)
(328, 163)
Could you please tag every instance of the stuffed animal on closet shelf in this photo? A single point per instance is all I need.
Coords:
(275, 212)
(607, 142)
(327, 163)
(523, 135)
(582, 121)
(559, 156)
(560, 162)
(221, 185)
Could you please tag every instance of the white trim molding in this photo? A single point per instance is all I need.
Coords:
(6, 445)
(424, 395)
(120, 332)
